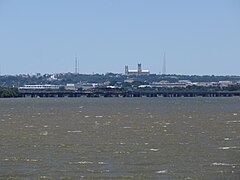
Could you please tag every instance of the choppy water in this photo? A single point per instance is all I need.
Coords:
(120, 138)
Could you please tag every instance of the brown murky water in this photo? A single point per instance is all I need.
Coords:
(120, 138)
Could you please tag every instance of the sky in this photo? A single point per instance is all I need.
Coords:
(200, 37)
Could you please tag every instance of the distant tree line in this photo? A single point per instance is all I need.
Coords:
(8, 92)
(64, 78)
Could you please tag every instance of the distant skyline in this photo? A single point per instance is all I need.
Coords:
(199, 37)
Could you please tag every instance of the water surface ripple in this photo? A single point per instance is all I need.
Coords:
(120, 138)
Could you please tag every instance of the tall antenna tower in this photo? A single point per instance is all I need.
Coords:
(164, 70)
(76, 65)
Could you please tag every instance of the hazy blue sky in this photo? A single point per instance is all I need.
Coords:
(199, 36)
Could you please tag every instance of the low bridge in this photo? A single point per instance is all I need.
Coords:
(129, 93)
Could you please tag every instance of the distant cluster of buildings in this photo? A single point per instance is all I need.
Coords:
(219, 83)
(131, 78)
(186, 83)
(161, 84)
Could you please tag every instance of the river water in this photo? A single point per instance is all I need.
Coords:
(120, 138)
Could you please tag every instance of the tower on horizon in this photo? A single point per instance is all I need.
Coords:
(164, 69)
(139, 68)
(126, 70)
(76, 65)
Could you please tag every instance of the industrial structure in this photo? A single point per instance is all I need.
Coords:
(138, 72)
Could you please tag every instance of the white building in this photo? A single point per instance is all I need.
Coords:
(138, 72)
(39, 87)
(70, 87)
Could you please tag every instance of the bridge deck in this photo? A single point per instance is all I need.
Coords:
(129, 94)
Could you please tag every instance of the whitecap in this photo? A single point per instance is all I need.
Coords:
(162, 172)
(29, 126)
(233, 121)
(154, 149)
(43, 177)
(226, 147)
(43, 133)
(31, 160)
(76, 131)
(121, 152)
(98, 116)
(223, 164)
(102, 163)
(107, 123)
(81, 162)
(127, 127)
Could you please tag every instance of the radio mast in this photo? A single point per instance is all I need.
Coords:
(164, 70)
(76, 65)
